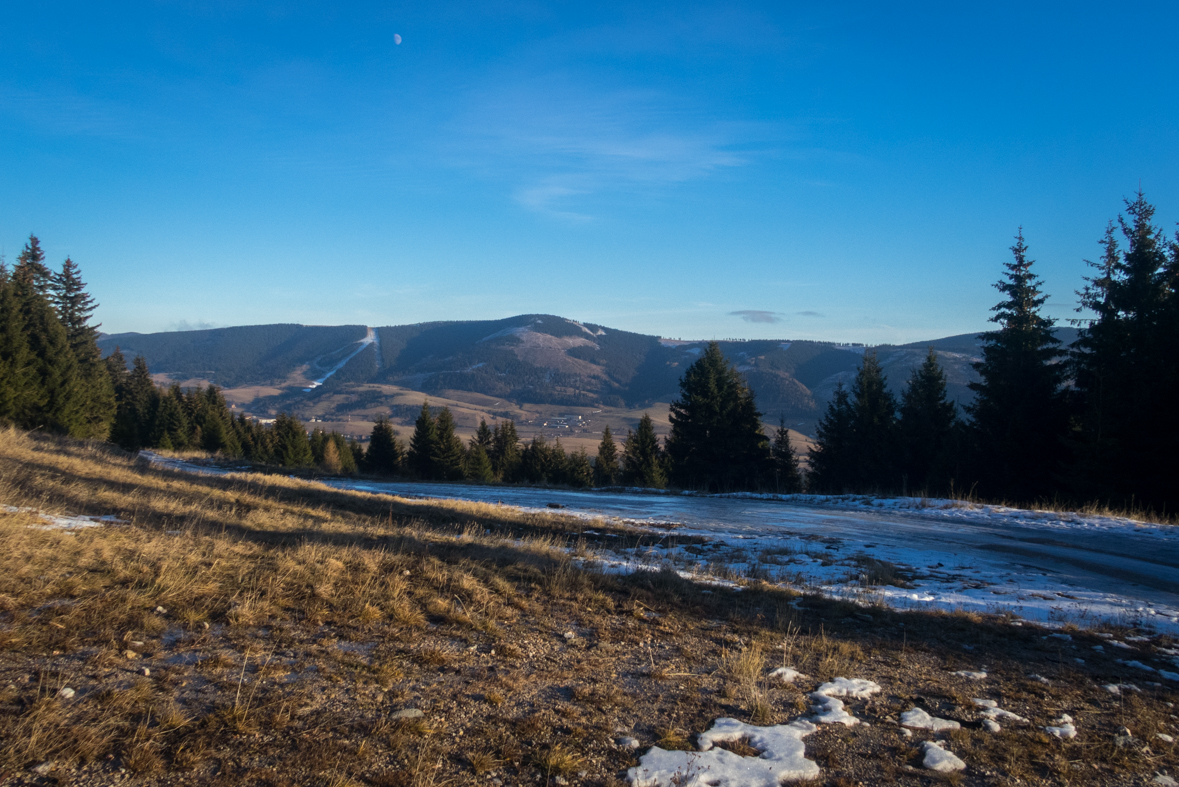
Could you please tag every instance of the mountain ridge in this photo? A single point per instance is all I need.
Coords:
(534, 358)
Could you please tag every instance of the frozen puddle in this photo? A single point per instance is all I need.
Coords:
(782, 758)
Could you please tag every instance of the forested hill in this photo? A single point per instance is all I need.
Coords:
(528, 358)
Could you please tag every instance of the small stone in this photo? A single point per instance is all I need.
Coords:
(1164, 737)
(569, 635)
(1125, 731)
(161, 611)
(407, 713)
(43, 769)
(906, 733)
(146, 672)
(65, 693)
(130, 654)
(206, 625)
(559, 779)
(626, 742)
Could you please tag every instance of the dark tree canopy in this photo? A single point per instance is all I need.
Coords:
(927, 430)
(423, 445)
(716, 439)
(606, 464)
(1124, 365)
(833, 457)
(1019, 420)
(384, 455)
(787, 476)
(642, 458)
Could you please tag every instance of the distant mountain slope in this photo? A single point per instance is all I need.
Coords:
(534, 358)
(235, 356)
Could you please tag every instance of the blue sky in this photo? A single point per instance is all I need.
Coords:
(732, 170)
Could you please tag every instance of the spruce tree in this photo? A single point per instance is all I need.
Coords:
(451, 457)
(1019, 419)
(926, 428)
(483, 436)
(318, 440)
(716, 436)
(478, 467)
(31, 266)
(18, 382)
(137, 402)
(642, 458)
(344, 452)
(170, 427)
(423, 446)
(384, 456)
(606, 465)
(833, 457)
(58, 396)
(505, 451)
(216, 424)
(874, 411)
(1124, 367)
(292, 448)
(578, 472)
(357, 450)
(787, 476)
(537, 461)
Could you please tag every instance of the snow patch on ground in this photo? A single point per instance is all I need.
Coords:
(940, 760)
(782, 758)
(828, 710)
(918, 719)
(992, 711)
(854, 688)
(786, 674)
(55, 522)
(1063, 727)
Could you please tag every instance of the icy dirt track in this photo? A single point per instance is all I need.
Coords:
(1043, 566)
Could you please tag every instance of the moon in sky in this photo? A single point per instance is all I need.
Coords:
(397, 39)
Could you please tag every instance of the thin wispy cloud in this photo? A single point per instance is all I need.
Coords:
(199, 325)
(757, 315)
(548, 198)
(809, 314)
(565, 140)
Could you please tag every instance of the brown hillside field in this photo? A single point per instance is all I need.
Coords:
(337, 412)
(250, 630)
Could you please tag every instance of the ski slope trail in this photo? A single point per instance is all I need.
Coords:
(369, 338)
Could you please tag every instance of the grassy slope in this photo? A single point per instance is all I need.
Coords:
(281, 624)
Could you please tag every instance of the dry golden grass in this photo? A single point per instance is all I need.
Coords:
(283, 624)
